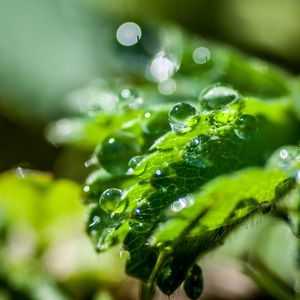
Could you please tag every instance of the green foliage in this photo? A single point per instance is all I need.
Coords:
(175, 191)
(43, 251)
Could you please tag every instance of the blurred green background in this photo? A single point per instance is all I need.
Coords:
(50, 50)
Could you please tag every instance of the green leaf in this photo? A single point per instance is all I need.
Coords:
(176, 169)
(23, 191)
(224, 201)
(192, 185)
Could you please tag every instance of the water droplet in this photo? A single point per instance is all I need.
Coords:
(182, 203)
(172, 274)
(116, 151)
(21, 172)
(128, 34)
(178, 205)
(111, 201)
(158, 173)
(179, 115)
(193, 285)
(130, 98)
(155, 123)
(201, 55)
(167, 87)
(202, 151)
(286, 158)
(265, 207)
(218, 96)
(91, 162)
(136, 161)
(86, 189)
(246, 127)
(95, 221)
(136, 166)
(162, 67)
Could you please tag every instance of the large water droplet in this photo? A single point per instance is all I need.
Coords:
(178, 116)
(286, 158)
(201, 55)
(202, 151)
(246, 127)
(116, 151)
(128, 34)
(218, 96)
(155, 123)
(130, 98)
(193, 285)
(111, 201)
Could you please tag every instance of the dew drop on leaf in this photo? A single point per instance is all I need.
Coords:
(202, 151)
(246, 127)
(130, 98)
(179, 115)
(193, 285)
(95, 221)
(92, 161)
(136, 163)
(155, 123)
(181, 203)
(111, 200)
(217, 97)
(116, 151)
(265, 207)
(158, 173)
(167, 280)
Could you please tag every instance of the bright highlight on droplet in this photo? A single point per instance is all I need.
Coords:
(162, 67)
(201, 55)
(178, 205)
(283, 154)
(128, 34)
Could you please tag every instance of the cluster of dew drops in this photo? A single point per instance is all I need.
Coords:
(122, 147)
(117, 149)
